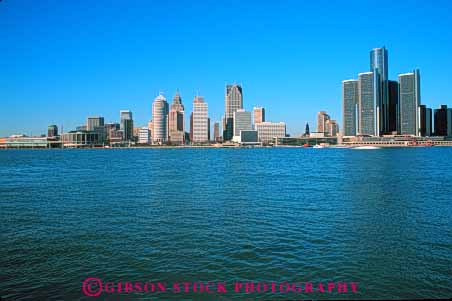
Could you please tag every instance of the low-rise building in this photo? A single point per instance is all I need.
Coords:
(269, 130)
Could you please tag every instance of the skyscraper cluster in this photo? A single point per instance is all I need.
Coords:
(373, 105)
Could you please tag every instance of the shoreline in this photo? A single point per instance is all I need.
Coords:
(338, 146)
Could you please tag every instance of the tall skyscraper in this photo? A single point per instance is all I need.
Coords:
(322, 117)
(200, 120)
(441, 121)
(242, 122)
(409, 101)
(126, 124)
(425, 121)
(160, 120)
(176, 121)
(366, 104)
(393, 107)
(349, 106)
(93, 122)
(379, 67)
(259, 114)
(233, 101)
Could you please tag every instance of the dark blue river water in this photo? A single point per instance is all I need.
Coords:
(380, 218)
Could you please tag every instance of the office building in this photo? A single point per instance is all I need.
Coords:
(322, 117)
(242, 121)
(409, 101)
(93, 122)
(379, 68)
(160, 120)
(52, 131)
(191, 127)
(332, 128)
(393, 108)
(349, 106)
(249, 137)
(126, 124)
(366, 104)
(268, 130)
(144, 136)
(233, 101)
(200, 121)
(449, 122)
(441, 121)
(208, 128)
(81, 139)
(216, 132)
(176, 121)
(259, 114)
(425, 121)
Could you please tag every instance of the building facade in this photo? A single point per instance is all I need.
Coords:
(259, 114)
(425, 121)
(332, 128)
(200, 121)
(393, 108)
(216, 132)
(160, 120)
(322, 118)
(441, 121)
(176, 121)
(379, 68)
(144, 136)
(52, 131)
(94, 122)
(242, 121)
(410, 99)
(349, 107)
(126, 124)
(233, 101)
(268, 130)
(366, 104)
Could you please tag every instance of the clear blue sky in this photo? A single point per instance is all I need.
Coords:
(61, 61)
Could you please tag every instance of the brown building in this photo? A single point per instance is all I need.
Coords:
(176, 121)
(259, 114)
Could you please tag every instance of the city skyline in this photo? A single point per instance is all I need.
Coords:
(68, 75)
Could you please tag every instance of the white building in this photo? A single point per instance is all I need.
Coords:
(200, 120)
(160, 120)
(144, 136)
(268, 130)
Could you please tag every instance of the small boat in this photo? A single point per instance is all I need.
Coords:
(367, 147)
(318, 146)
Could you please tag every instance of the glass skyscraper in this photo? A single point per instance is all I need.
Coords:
(393, 108)
(126, 124)
(366, 104)
(349, 106)
(425, 121)
(233, 101)
(379, 66)
(409, 98)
